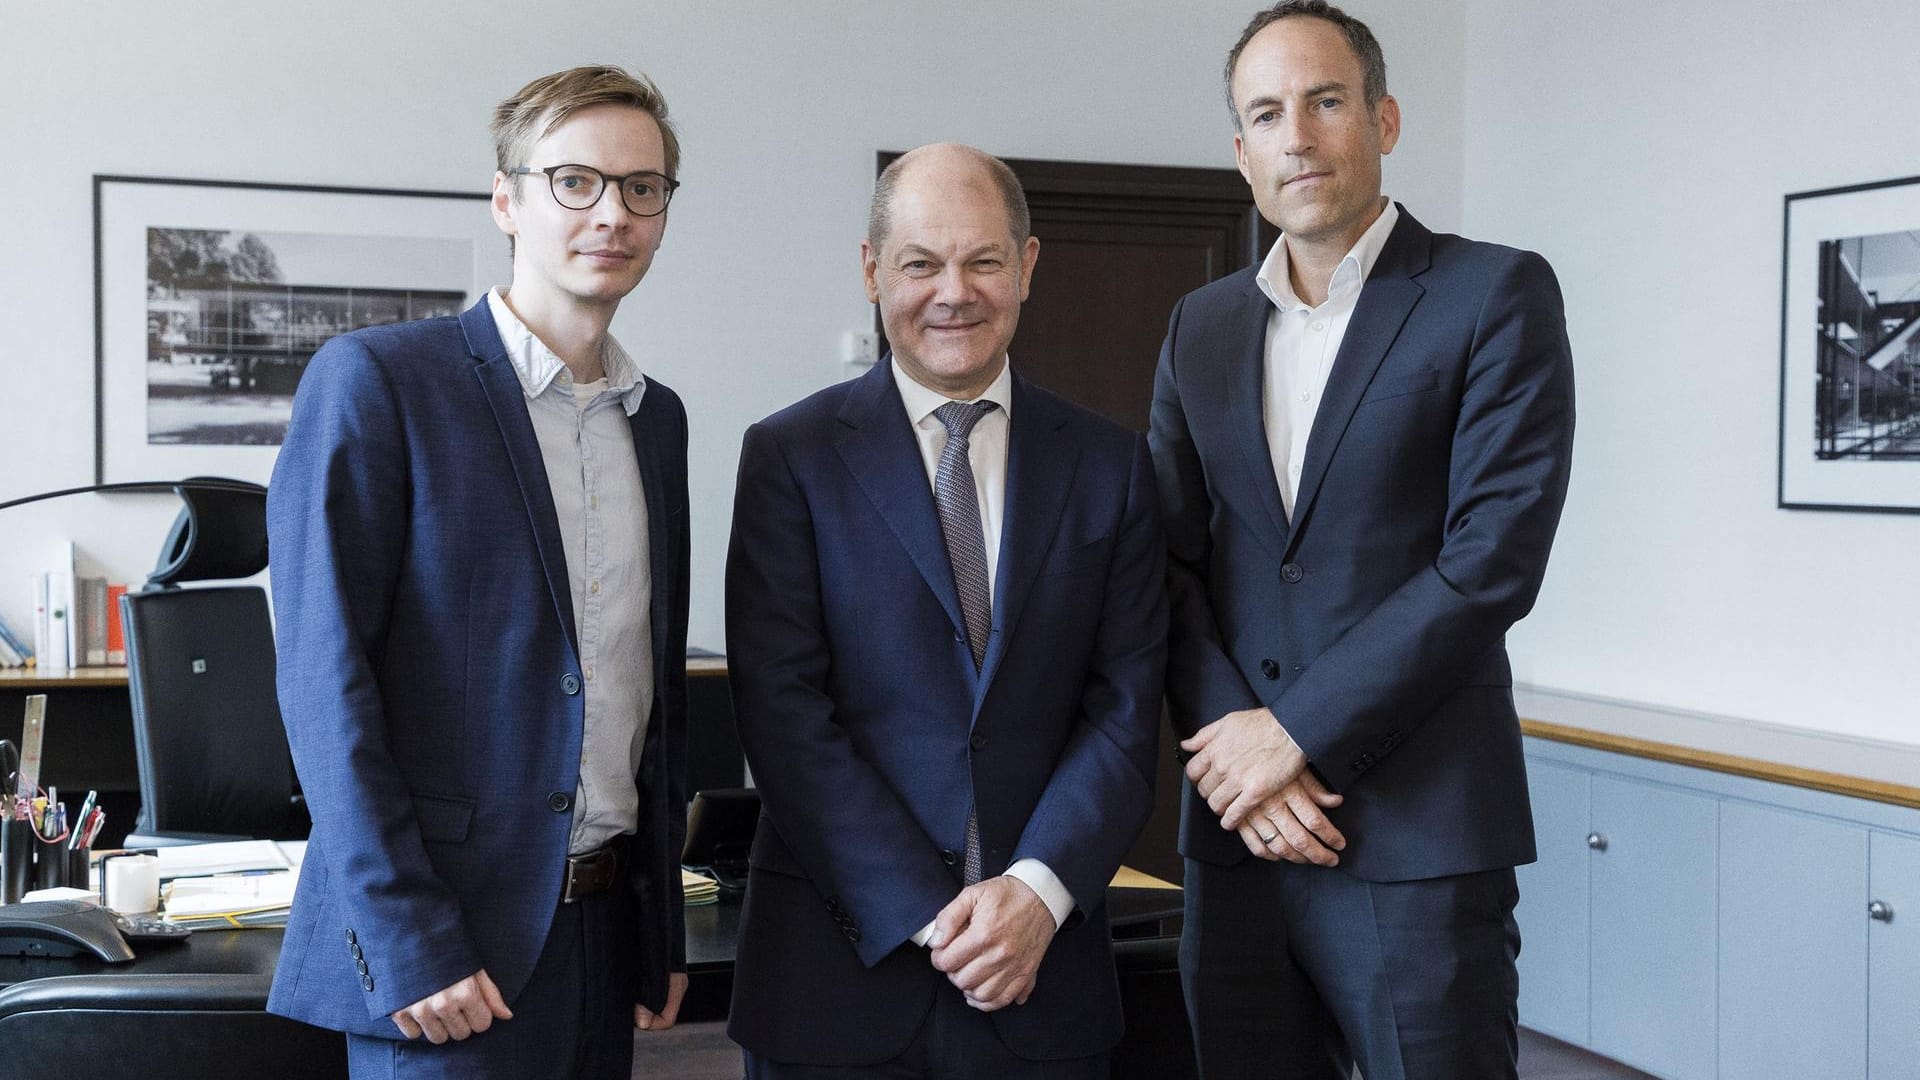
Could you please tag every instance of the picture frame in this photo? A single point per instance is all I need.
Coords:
(210, 296)
(1850, 349)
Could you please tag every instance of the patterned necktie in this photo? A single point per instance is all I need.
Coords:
(959, 506)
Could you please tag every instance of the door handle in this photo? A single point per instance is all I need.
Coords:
(1880, 911)
(1597, 841)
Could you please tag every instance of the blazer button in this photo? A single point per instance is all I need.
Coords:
(1292, 572)
(853, 934)
(1270, 669)
(360, 966)
(355, 950)
(949, 856)
(570, 683)
(366, 983)
(978, 741)
(351, 940)
(560, 802)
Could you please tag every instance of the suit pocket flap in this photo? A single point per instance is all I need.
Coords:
(1398, 385)
(443, 818)
(1080, 556)
(769, 852)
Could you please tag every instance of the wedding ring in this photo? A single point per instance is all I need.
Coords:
(1266, 839)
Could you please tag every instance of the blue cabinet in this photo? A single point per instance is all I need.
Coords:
(1553, 907)
(1893, 975)
(1793, 952)
(1654, 878)
(1696, 924)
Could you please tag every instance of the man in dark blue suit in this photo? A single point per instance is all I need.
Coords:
(479, 534)
(1363, 449)
(946, 634)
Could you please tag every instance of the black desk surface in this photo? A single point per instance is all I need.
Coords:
(212, 952)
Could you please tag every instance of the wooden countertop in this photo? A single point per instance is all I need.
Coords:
(1858, 787)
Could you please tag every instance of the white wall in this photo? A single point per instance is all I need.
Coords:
(781, 108)
(1645, 149)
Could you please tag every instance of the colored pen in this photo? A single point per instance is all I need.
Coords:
(80, 819)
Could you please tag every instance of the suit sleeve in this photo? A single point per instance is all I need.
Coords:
(838, 816)
(1203, 684)
(336, 514)
(1101, 790)
(1511, 454)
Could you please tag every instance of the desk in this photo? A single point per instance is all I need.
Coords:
(216, 952)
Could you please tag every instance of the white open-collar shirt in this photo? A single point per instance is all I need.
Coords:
(1302, 343)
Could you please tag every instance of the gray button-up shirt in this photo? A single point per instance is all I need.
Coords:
(586, 443)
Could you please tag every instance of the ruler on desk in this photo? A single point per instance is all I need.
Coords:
(30, 737)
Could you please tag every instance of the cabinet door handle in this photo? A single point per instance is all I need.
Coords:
(1880, 911)
(1597, 841)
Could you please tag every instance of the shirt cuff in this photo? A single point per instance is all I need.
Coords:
(1037, 877)
(1043, 881)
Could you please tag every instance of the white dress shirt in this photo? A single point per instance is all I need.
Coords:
(586, 444)
(1302, 343)
(987, 455)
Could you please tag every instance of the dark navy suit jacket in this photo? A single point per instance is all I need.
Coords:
(1373, 626)
(870, 734)
(430, 680)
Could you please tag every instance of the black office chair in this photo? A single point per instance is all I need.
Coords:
(213, 755)
(111, 1026)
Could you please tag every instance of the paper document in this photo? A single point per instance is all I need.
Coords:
(229, 894)
(198, 860)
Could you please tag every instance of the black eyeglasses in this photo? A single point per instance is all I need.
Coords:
(578, 187)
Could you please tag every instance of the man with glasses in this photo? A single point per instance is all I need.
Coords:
(479, 534)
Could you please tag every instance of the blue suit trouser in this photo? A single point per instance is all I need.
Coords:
(1301, 972)
(956, 1042)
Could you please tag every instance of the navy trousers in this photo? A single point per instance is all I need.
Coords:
(1300, 972)
(573, 1020)
(957, 1042)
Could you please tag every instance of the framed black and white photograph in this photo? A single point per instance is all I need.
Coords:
(212, 296)
(1850, 349)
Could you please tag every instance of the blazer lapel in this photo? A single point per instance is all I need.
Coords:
(650, 437)
(1385, 302)
(1246, 343)
(509, 405)
(1041, 462)
(880, 451)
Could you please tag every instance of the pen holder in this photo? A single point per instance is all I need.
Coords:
(54, 866)
(16, 859)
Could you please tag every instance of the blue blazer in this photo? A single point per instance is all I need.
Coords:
(870, 734)
(1373, 626)
(429, 675)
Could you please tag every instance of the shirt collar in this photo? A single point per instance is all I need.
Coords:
(921, 401)
(538, 367)
(1350, 274)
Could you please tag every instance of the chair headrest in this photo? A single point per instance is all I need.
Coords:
(221, 533)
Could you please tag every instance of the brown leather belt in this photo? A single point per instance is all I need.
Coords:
(590, 874)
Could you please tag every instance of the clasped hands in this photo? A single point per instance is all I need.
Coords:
(990, 939)
(1255, 777)
(471, 1005)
